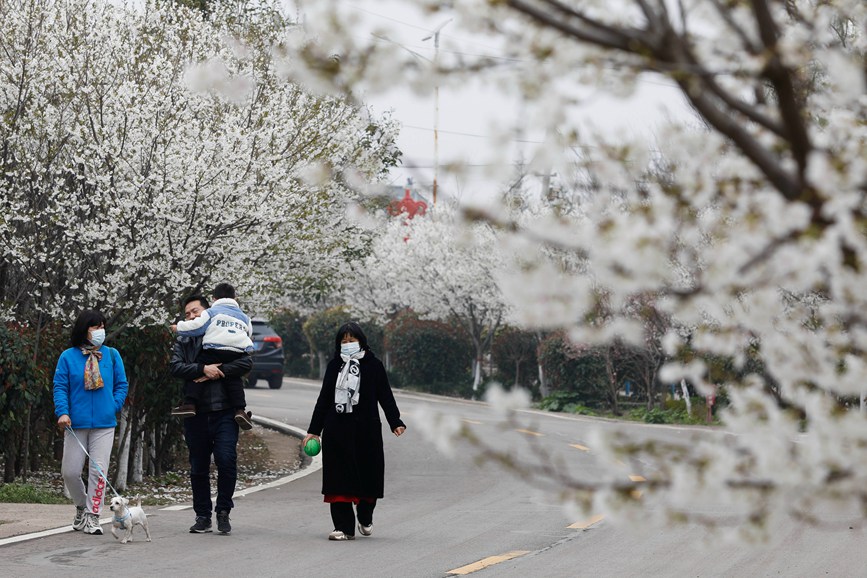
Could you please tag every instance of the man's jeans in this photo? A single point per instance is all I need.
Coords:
(212, 433)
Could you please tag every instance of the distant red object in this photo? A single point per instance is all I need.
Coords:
(407, 205)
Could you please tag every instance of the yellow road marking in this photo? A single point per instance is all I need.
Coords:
(636, 494)
(472, 421)
(636, 478)
(587, 523)
(580, 447)
(529, 432)
(489, 561)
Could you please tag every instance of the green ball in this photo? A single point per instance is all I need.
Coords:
(312, 447)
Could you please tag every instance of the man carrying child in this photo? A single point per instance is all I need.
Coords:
(226, 333)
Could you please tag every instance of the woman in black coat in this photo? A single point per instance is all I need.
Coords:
(353, 462)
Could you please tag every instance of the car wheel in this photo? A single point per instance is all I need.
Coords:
(250, 383)
(275, 382)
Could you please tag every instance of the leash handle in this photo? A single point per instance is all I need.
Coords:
(93, 461)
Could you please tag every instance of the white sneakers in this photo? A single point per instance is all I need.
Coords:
(91, 525)
(87, 522)
(363, 530)
(79, 520)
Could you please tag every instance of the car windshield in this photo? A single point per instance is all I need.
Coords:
(261, 329)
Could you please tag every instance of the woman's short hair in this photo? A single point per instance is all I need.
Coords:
(85, 320)
(354, 329)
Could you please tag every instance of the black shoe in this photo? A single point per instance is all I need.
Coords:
(244, 419)
(184, 410)
(223, 525)
(201, 526)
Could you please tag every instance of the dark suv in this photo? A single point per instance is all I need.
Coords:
(268, 356)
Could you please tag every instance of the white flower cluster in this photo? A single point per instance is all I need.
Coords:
(148, 152)
(438, 268)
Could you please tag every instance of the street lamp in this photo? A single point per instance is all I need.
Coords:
(435, 34)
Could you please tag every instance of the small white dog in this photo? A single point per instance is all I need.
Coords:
(125, 517)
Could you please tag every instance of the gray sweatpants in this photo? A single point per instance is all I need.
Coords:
(98, 443)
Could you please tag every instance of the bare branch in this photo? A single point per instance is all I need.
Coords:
(781, 77)
(598, 35)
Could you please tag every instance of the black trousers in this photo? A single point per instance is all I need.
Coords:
(343, 516)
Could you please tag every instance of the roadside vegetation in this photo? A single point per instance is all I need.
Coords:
(263, 455)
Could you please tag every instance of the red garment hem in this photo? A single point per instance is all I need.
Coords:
(335, 498)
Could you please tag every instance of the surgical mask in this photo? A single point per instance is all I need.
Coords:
(350, 348)
(97, 337)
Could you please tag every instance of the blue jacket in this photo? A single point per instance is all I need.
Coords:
(95, 408)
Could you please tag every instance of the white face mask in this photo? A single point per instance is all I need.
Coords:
(97, 337)
(350, 348)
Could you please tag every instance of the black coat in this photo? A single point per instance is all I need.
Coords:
(353, 463)
(183, 365)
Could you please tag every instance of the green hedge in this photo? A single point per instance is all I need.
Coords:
(513, 353)
(289, 325)
(429, 355)
(571, 369)
(22, 398)
(320, 329)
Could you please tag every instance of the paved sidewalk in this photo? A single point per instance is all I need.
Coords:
(17, 519)
(24, 519)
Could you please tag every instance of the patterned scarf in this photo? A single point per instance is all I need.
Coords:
(92, 377)
(348, 383)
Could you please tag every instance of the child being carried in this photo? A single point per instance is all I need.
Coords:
(226, 336)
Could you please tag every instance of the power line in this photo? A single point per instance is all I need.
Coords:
(422, 28)
(455, 132)
(478, 165)
(384, 17)
(416, 47)
(490, 137)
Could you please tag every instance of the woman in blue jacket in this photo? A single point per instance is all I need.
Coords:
(89, 390)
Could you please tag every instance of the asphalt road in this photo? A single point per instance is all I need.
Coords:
(444, 516)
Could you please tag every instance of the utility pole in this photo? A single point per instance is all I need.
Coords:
(436, 38)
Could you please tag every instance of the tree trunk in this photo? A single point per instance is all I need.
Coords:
(152, 452)
(137, 476)
(543, 384)
(122, 451)
(9, 460)
(611, 378)
(475, 333)
(27, 417)
(686, 397)
(26, 464)
(477, 375)
(323, 363)
(160, 448)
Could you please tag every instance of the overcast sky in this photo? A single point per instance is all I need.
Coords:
(469, 117)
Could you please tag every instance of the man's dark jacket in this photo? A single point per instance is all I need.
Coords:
(184, 366)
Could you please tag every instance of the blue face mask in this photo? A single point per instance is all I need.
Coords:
(97, 337)
(350, 348)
